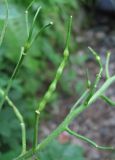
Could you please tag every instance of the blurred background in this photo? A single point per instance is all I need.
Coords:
(93, 25)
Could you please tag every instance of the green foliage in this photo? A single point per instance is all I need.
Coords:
(10, 154)
(37, 69)
(57, 151)
(8, 140)
(54, 151)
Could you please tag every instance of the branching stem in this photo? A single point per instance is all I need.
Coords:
(98, 76)
(89, 97)
(68, 120)
(24, 51)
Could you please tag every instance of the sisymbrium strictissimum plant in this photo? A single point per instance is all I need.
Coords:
(91, 94)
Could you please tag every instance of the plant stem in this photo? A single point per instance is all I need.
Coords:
(23, 138)
(27, 23)
(102, 89)
(84, 95)
(41, 30)
(47, 97)
(35, 141)
(52, 86)
(33, 24)
(79, 136)
(29, 6)
(21, 120)
(22, 55)
(62, 126)
(107, 65)
(98, 76)
(5, 24)
(67, 120)
(55, 133)
(108, 100)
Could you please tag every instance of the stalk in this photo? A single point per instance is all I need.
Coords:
(63, 126)
(52, 87)
(21, 120)
(5, 24)
(107, 65)
(22, 55)
(92, 143)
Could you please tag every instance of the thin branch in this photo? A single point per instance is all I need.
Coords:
(21, 120)
(5, 24)
(35, 138)
(30, 5)
(107, 65)
(33, 24)
(39, 32)
(27, 22)
(98, 77)
(22, 55)
(83, 96)
(68, 32)
(108, 100)
(88, 82)
(102, 89)
(59, 72)
(79, 136)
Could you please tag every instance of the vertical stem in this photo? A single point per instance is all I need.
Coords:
(5, 24)
(68, 32)
(98, 76)
(53, 85)
(107, 65)
(35, 141)
(27, 23)
(23, 138)
(13, 76)
(21, 120)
